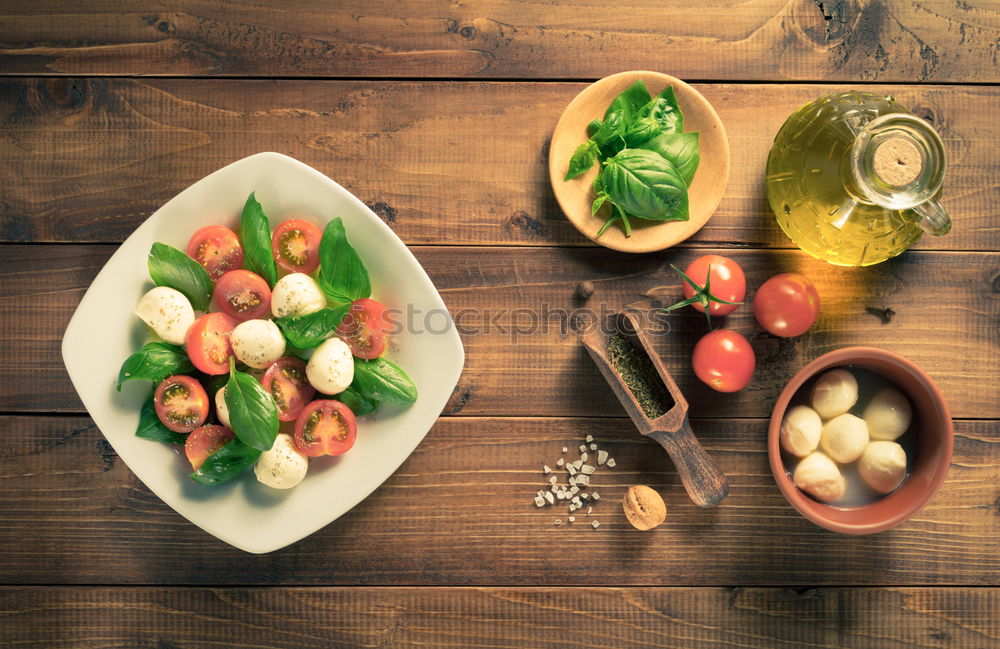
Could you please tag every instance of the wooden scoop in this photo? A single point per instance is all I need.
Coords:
(701, 476)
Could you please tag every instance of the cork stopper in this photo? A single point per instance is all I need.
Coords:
(897, 162)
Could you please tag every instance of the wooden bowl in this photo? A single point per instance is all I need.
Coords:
(931, 423)
(575, 196)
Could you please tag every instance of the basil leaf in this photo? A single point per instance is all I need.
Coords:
(170, 267)
(154, 362)
(679, 148)
(583, 159)
(630, 101)
(647, 185)
(640, 130)
(358, 403)
(383, 380)
(226, 463)
(150, 426)
(664, 109)
(251, 411)
(255, 234)
(610, 137)
(598, 203)
(342, 274)
(309, 330)
(593, 127)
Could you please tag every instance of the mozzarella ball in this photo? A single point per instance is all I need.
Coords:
(844, 438)
(221, 409)
(296, 294)
(820, 477)
(331, 367)
(834, 393)
(167, 312)
(258, 343)
(883, 466)
(800, 431)
(888, 415)
(282, 466)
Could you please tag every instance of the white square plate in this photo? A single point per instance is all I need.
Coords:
(104, 332)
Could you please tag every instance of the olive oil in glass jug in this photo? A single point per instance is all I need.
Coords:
(852, 178)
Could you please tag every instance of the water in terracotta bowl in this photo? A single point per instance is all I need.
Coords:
(576, 196)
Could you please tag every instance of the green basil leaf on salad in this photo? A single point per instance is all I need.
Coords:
(593, 127)
(664, 109)
(679, 148)
(170, 267)
(358, 403)
(225, 464)
(383, 380)
(342, 274)
(150, 426)
(251, 410)
(647, 185)
(255, 234)
(154, 362)
(583, 159)
(309, 330)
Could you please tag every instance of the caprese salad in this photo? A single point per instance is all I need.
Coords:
(277, 331)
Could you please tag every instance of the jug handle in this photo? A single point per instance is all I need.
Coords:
(933, 218)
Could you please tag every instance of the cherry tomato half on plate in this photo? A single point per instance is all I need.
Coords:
(243, 295)
(724, 360)
(217, 248)
(365, 328)
(205, 441)
(728, 283)
(286, 382)
(207, 343)
(786, 305)
(325, 427)
(180, 403)
(295, 246)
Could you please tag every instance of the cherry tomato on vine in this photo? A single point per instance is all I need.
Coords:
(727, 283)
(786, 305)
(724, 360)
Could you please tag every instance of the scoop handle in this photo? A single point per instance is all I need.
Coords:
(704, 481)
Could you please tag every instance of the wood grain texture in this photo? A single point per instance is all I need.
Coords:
(516, 307)
(897, 40)
(459, 511)
(442, 163)
(550, 618)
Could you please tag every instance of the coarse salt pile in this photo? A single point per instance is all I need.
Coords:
(578, 474)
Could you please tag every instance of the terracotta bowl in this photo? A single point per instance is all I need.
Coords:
(575, 196)
(931, 423)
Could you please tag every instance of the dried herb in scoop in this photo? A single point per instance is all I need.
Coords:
(640, 376)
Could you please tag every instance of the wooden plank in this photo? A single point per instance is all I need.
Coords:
(443, 163)
(634, 618)
(515, 308)
(853, 40)
(459, 511)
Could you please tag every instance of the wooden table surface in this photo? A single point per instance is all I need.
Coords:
(438, 116)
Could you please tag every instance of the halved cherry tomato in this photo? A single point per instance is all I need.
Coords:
(325, 427)
(217, 248)
(285, 380)
(366, 328)
(295, 246)
(786, 305)
(181, 403)
(728, 283)
(205, 441)
(724, 360)
(243, 295)
(207, 343)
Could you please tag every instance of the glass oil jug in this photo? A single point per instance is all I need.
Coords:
(853, 179)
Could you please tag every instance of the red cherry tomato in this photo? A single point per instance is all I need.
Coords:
(285, 379)
(181, 403)
(205, 441)
(295, 246)
(217, 248)
(325, 427)
(786, 305)
(243, 295)
(724, 360)
(728, 283)
(207, 343)
(366, 328)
